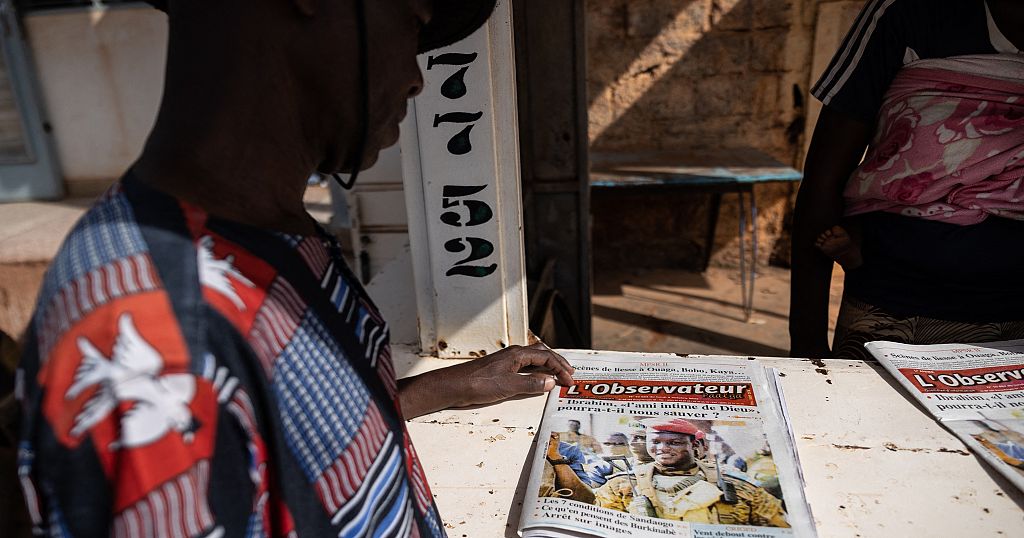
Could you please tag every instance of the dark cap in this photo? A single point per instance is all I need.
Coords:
(452, 21)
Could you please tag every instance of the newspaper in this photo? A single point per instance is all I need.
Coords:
(611, 459)
(974, 390)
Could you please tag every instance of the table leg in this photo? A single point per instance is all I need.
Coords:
(753, 257)
(743, 254)
(748, 278)
(714, 205)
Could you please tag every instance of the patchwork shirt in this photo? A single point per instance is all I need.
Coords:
(186, 376)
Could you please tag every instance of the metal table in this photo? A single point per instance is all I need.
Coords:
(715, 172)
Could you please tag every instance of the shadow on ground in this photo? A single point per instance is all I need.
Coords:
(676, 311)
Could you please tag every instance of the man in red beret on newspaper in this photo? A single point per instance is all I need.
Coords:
(679, 486)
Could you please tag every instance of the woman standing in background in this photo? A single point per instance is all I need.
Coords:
(930, 226)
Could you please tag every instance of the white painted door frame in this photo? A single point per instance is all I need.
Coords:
(460, 163)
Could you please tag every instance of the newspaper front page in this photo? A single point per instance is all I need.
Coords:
(974, 390)
(656, 445)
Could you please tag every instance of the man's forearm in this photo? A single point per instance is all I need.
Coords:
(425, 393)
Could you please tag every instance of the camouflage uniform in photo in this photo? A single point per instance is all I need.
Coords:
(692, 496)
(581, 440)
(761, 467)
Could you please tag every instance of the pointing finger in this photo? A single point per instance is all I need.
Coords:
(565, 364)
(536, 359)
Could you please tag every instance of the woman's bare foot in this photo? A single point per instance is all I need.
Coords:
(837, 244)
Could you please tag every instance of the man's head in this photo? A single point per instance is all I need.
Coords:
(617, 444)
(292, 69)
(700, 448)
(454, 20)
(574, 426)
(671, 442)
(638, 443)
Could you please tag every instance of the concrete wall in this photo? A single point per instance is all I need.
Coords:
(682, 74)
(101, 72)
(12, 133)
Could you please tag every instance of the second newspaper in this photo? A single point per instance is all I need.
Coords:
(975, 390)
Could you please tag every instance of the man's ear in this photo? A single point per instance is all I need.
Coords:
(306, 7)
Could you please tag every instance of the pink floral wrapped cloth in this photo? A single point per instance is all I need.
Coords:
(949, 144)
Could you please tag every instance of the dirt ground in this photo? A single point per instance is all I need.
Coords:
(677, 311)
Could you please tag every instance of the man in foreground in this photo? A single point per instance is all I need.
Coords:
(677, 485)
(638, 444)
(201, 361)
(575, 437)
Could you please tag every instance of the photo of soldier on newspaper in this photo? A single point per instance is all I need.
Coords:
(697, 471)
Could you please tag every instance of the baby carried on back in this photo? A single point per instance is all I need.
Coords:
(949, 146)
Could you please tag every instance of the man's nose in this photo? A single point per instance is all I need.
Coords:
(417, 85)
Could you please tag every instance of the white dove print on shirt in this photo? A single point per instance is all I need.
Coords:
(132, 374)
(214, 272)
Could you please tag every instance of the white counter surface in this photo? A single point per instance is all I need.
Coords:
(875, 463)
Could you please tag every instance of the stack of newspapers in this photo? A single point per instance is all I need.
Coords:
(975, 390)
(656, 445)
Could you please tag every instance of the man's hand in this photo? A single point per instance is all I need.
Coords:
(513, 371)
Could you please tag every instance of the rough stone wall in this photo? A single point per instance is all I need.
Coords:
(683, 74)
(12, 134)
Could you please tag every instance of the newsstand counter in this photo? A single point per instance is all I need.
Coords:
(874, 462)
